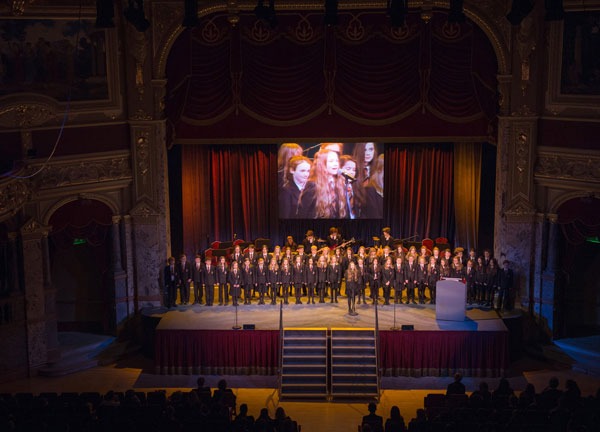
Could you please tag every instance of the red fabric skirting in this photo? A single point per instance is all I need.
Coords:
(443, 353)
(403, 353)
(217, 352)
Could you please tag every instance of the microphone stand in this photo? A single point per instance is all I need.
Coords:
(414, 237)
(236, 326)
(394, 327)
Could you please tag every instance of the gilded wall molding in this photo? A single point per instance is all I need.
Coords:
(102, 171)
(167, 16)
(14, 193)
(521, 138)
(33, 228)
(27, 110)
(144, 213)
(78, 171)
(556, 165)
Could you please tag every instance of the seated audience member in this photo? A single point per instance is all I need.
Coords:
(571, 397)
(224, 396)
(528, 396)
(243, 422)
(482, 397)
(111, 399)
(550, 395)
(204, 393)
(419, 423)
(502, 396)
(374, 421)
(456, 387)
(264, 423)
(131, 400)
(283, 423)
(396, 422)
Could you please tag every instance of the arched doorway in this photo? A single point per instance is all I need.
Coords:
(579, 249)
(80, 262)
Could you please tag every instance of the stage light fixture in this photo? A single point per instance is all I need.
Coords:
(519, 10)
(331, 12)
(190, 13)
(265, 13)
(397, 10)
(134, 13)
(555, 10)
(457, 14)
(105, 13)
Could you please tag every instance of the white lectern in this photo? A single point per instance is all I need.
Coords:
(450, 300)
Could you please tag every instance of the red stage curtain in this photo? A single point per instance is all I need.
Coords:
(418, 189)
(232, 189)
(228, 190)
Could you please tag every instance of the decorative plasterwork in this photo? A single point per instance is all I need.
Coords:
(13, 196)
(144, 213)
(522, 136)
(504, 86)
(160, 91)
(77, 171)
(520, 209)
(142, 147)
(556, 164)
(33, 227)
(63, 172)
(526, 45)
(167, 16)
(144, 138)
(26, 111)
(17, 7)
(166, 26)
(138, 48)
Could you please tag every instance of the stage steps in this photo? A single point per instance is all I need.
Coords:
(304, 363)
(354, 363)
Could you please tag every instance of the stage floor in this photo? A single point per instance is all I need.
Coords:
(266, 317)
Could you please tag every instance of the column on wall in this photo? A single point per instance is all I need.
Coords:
(118, 276)
(13, 325)
(551, 281)
(149, 215)
(127, 242)
(50, 300)
(516, 230)
(39, 340)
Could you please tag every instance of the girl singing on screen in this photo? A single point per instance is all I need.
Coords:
(298, 170)
(324, 196)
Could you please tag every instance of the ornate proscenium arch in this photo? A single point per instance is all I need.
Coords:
(167, 18)
(431, 80)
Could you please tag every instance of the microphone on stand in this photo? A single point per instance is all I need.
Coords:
(348, 176)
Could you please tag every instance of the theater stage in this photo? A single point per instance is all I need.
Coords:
(199, 339)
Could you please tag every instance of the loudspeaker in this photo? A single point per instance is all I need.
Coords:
(249, 327)
(407, 327)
